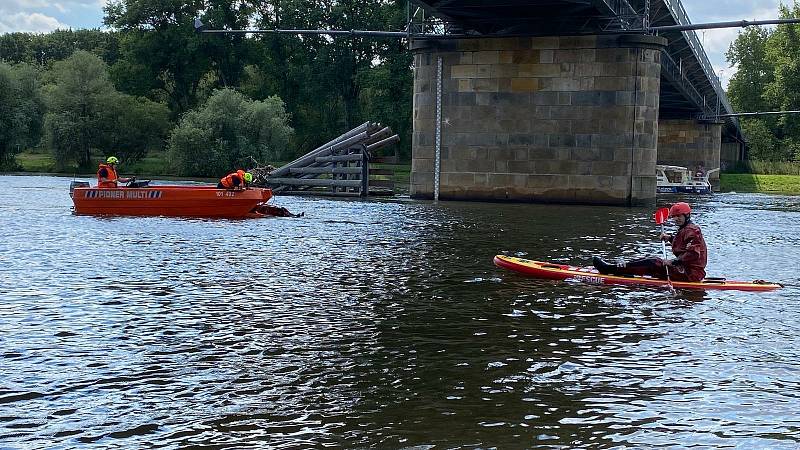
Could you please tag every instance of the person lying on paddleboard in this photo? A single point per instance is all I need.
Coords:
(688, 246)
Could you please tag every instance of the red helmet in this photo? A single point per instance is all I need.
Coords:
(680, 208)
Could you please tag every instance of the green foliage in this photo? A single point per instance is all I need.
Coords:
(85, 111)
(761, 167)
(162, 55)
(768, 79)
(385, 93)
(333, 84)
(35, 162)
(46, 48)
(21, 111)
(134, 126)
(327, 85)
(226, 131)
(78, 101)
(745, 182)
(762, 143)
(754, 70)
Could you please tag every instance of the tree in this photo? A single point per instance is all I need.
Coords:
(85, 111)
(761, 140)
(133, 126)
(21, 110)
(78, 101)
(229, 128)
(44, 49)
(332, 84)
(783, 91)
(163, 57)
(754, 70)
(768, 78)
(385, 94)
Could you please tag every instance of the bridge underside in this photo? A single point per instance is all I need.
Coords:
(580, 109)
(534, 17)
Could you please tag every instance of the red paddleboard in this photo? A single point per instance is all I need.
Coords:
(551, 271)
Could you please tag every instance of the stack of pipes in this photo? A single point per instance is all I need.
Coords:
(369, 135)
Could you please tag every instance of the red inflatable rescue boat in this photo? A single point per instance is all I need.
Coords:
(551, 271)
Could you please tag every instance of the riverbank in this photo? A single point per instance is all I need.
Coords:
(155, 166)
(767, 184)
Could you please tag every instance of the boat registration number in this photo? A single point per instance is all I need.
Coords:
(226, 194)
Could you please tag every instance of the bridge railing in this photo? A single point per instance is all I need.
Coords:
(675, 72)
(679, 13)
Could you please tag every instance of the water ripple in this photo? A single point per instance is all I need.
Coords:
(384, 324)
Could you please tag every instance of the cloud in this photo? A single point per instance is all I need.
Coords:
(47, 15)
(33, 23)
(37, 5)
(23, 5)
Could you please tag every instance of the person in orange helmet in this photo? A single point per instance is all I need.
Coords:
(688, 246)
(235, 180)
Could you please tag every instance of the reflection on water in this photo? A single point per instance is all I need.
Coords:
(384, 324)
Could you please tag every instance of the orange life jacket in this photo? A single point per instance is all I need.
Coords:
(111, 179)
(227, 180)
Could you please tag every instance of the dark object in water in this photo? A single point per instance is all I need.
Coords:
(277, 211)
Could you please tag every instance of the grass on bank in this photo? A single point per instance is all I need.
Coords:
(36, 162)
(765, 167)
(151, 165)
(750, 182)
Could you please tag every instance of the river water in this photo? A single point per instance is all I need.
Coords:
(384, 324)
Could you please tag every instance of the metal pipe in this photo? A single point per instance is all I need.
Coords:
(370, 33)
(757, 113)
(357, 130)
(384, 142)
(710, 25)
(310, 157)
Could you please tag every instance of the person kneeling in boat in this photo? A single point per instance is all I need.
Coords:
(688, 246)
(236, 180)
(107, 174)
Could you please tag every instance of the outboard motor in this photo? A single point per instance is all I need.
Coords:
(77, 184)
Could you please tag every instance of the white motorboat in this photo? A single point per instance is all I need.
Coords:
(681, 180)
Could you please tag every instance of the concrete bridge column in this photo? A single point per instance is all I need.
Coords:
(569, 119)
(689, 143)
(730, 154)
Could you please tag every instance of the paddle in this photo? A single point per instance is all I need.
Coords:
(661, 215)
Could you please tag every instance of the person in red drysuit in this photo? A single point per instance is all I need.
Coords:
(688, 246)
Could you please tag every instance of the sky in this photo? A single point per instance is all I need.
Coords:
(47, 15)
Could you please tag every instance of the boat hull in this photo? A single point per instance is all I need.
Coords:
(174, 201)
(551, 271)
(694, 190)
(682, 190)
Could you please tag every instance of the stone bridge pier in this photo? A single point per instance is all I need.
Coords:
(569, 119)
(690, 143)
